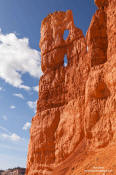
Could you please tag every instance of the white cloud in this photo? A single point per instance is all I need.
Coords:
(5, 129)
(36, 88)
(12, 107)
(4, 117)
(17, 58)
(26, 126)
(12, 137)
(1, 88)
(6, 134)
(32, 105)
(19, 95)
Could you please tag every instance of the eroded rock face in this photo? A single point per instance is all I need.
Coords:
(99, 93)
(77, 103)
(96, 37)
(101, 3)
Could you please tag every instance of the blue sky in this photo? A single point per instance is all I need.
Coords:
(20, 22)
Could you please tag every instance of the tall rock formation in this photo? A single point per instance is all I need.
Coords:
(76, 109)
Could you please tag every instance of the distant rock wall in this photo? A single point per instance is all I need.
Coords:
(14, 171)
(77, 103)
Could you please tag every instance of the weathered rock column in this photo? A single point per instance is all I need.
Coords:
(76, 108)
(57, 127)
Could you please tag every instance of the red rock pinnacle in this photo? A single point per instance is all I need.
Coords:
(76, 109)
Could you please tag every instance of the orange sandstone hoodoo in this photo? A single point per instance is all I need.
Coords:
(74, 129)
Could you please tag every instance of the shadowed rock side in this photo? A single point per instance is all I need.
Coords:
(76, 110)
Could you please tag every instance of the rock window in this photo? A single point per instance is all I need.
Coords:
(65, 60)
(66, 33)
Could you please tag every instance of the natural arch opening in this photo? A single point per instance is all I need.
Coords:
(65, 60)
(66, 33)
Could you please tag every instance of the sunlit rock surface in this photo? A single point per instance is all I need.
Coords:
(75, 122)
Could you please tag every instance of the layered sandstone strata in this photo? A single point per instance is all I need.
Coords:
(76, 110)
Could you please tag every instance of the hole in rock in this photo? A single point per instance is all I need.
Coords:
(65, 61)
(66, 33)
(87, 48)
